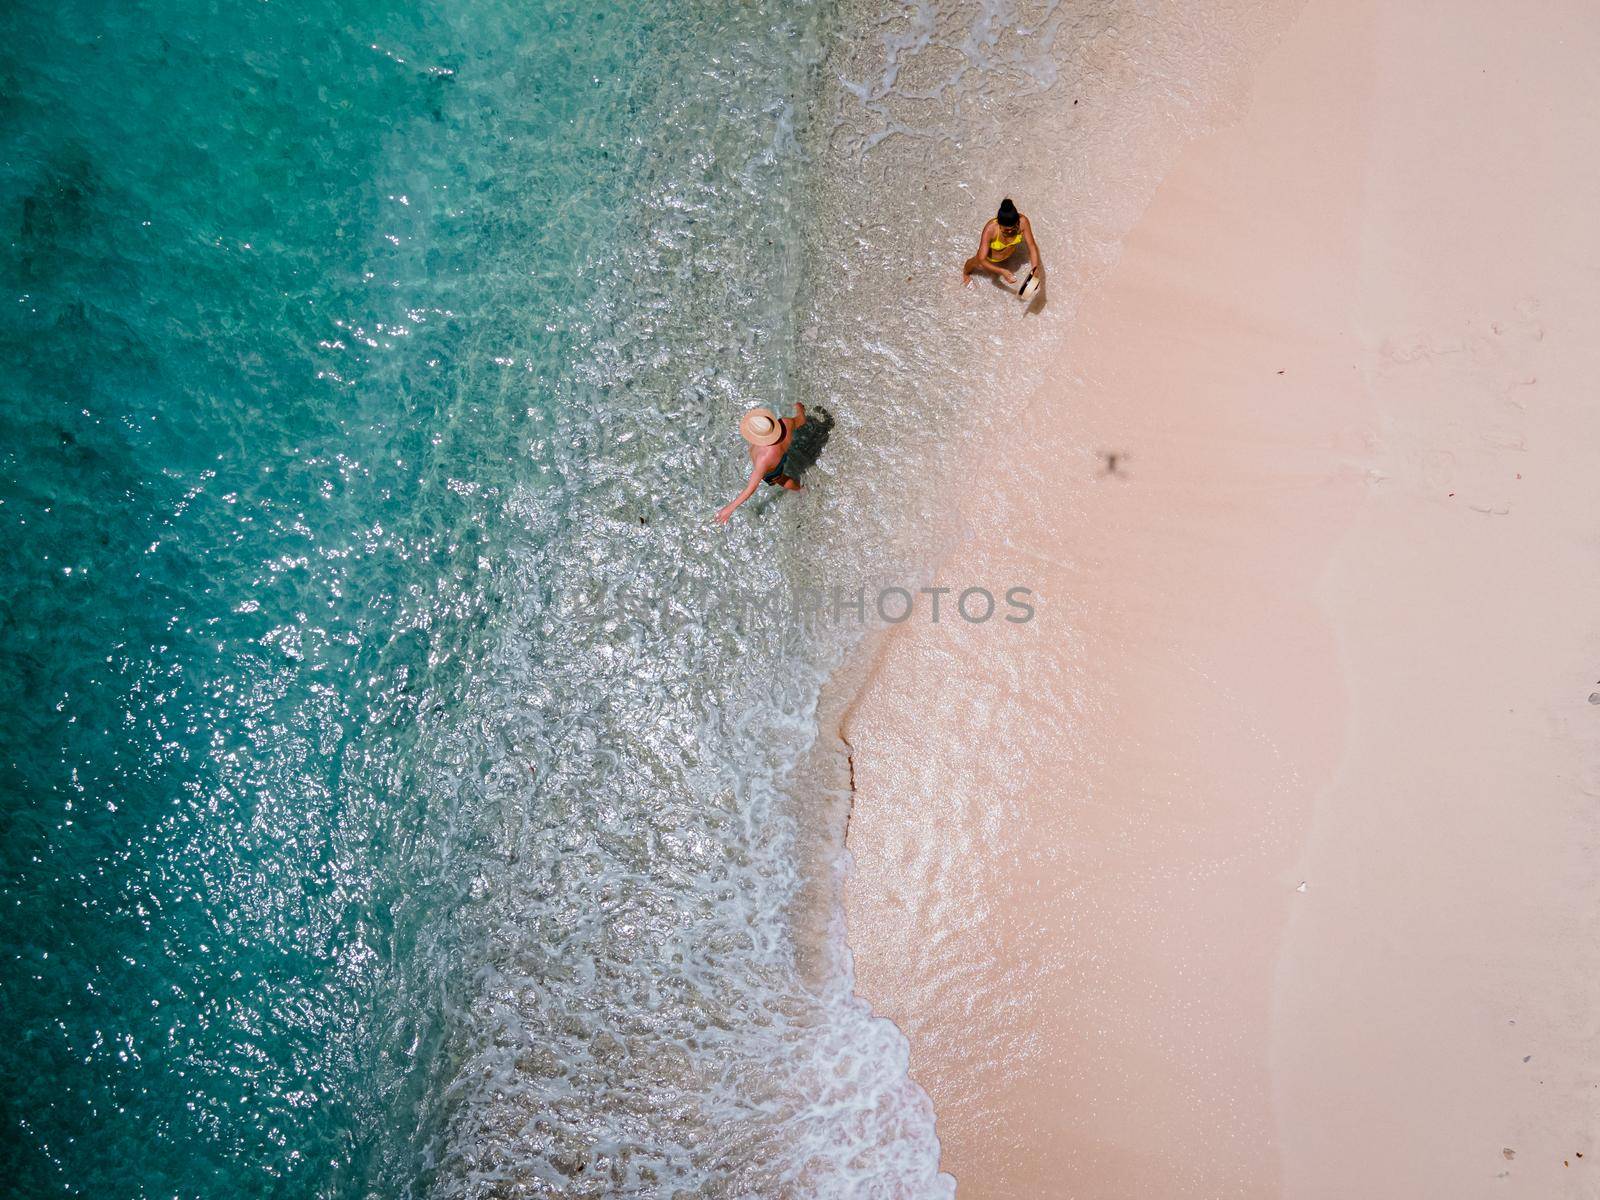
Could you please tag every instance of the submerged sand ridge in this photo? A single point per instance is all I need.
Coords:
(1261, 864)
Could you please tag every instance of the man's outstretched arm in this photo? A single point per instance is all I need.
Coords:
(726, 510)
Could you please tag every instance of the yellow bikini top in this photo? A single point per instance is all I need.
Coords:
(1000, 243)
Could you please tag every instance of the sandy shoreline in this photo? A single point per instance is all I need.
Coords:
(1326, 625)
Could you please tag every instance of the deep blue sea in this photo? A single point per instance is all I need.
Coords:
(350, 844)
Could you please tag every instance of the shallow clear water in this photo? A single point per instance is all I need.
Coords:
(387, 809)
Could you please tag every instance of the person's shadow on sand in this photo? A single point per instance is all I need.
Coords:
(809, 441)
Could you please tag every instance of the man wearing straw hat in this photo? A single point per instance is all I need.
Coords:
(769, 436)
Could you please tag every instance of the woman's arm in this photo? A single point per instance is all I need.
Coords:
(726, 510)
(1033, 249)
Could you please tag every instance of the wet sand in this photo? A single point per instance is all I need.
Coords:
(1263, 858)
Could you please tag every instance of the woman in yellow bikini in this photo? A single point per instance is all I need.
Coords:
(1001, 237)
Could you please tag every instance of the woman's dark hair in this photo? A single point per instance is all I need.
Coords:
(1008, 215)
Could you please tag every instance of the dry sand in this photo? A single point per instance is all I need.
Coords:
(1262, 862)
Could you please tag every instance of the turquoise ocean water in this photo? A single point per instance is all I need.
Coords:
(353, 844)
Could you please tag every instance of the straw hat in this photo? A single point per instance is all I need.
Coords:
(1028, 287)
(760, 427)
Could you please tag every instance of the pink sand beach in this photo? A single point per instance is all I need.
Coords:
(1262, 863)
